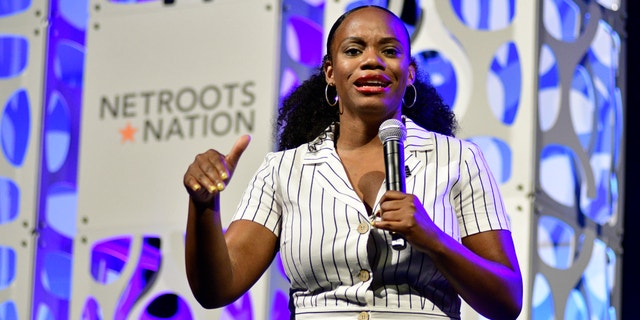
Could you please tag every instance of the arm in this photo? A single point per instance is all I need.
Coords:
(221, 266)
(497, 249)
(483, 269)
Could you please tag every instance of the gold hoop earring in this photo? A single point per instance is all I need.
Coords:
(326, 96)
(415, 97)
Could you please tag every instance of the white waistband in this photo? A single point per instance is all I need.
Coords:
(366, 315)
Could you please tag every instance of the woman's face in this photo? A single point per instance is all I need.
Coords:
(371, 63)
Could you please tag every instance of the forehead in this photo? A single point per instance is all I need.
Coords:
(369, 21)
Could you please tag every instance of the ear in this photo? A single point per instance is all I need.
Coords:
(411, 78)
(328, 71)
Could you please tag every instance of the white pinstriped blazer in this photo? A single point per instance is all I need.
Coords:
(335, 260)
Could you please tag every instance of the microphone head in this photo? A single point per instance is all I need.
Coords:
(392, 129)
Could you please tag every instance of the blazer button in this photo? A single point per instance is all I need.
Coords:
(363, 227)
(364, 275)
(363, 315)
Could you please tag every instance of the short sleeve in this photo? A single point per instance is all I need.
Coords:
(259, 201)
(480, 206)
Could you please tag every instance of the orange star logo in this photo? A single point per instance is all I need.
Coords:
(127, 133)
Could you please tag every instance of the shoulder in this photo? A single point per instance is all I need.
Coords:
(420, 139)
(282, 155)
(286, 157)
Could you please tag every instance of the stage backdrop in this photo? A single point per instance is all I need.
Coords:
(104, 103)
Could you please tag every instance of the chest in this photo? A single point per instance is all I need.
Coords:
(366, 175)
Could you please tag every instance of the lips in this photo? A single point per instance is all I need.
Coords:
(375, 81)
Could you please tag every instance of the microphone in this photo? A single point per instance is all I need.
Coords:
(392, 133)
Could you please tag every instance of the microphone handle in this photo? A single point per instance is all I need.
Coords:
(394, 165)
(395, 179)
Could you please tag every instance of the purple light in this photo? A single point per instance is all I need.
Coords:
(485, 14)
(410, 13)
(9, 201)
(360, 3)
(504, 83)
(15, 126)
(562, 19)
(556, 242)
(142, 278)
(304, 41)
(59, 148)
(241, 309)
(14, 51)
(280, 306)
(69, 63)
(582, 103)
(558, 176)
(108, 258)
(75, 12)
(57, 134)
(91, 310)
(549, 89)
(11, 7)
(441, 74)
(61, 209)
(7, 267)
(8, 310)
(57, 274)
(542, 300)
(288, 82)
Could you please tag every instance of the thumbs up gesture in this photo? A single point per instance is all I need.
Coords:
(211, 171)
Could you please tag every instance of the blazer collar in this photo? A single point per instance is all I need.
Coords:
(322, 149)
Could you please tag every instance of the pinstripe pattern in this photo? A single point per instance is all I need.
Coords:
(303, 195)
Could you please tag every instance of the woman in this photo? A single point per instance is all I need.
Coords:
(321, 200)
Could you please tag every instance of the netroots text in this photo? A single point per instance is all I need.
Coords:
(162, 115)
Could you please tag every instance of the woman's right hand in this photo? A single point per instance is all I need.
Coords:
(211, 171)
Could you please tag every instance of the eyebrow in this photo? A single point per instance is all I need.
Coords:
(383, 40)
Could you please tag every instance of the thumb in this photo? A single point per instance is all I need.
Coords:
(238, 148)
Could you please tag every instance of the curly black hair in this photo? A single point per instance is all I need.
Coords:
(305, 112)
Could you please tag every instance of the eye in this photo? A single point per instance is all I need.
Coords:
(352, 51)
(391, 52)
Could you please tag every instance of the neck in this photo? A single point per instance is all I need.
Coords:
(357, 135)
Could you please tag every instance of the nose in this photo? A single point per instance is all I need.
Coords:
(371, 59)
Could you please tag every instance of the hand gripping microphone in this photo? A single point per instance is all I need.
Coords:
(392, 133)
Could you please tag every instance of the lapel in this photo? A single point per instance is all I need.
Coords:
(330, 173)
(418, 141)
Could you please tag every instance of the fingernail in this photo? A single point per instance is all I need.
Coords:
(212, 188)
(196, 187)
(224, 175)
(220, 186)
